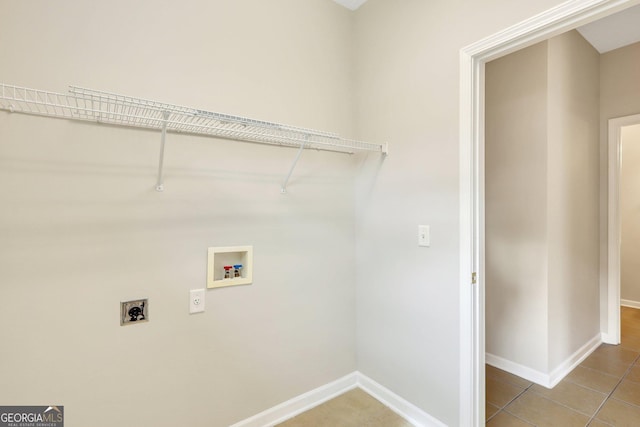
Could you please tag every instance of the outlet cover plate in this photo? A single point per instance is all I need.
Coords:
(196, 301)
(134, 312)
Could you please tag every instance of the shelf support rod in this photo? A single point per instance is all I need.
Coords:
(283, 189)
(159, 184)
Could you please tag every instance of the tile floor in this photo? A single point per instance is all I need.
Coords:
(354, 408)
(603, 391)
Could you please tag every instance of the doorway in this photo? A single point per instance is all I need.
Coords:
(558, 20)
(614, 225)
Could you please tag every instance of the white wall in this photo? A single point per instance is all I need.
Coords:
(630, 215)
(80, 192)
(619, 97)
(83, 229)
(542, 242)
(516, 247)
(573, 195)
(407, 89)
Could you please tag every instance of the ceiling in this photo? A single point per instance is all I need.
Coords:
(350, 4)
(609, 33)
(614, 31)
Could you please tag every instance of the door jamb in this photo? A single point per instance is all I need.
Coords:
(612, 334)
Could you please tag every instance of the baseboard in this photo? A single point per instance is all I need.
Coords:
(609, 339)
(574, 360)
(517, 369)
(541, 378)
(629, 303)
(313, 398)
(400, 406)
(289, 409)
(606, 338)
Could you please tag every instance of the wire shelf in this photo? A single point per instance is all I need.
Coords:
(104, 107)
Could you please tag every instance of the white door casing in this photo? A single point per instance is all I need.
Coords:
(612, 333)
(550, 23)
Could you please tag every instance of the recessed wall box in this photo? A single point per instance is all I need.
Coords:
(229, 266)
(134, 312)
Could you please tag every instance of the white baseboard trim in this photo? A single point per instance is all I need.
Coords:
(517, 369)
(608, 339)
(629, 303)
(289, 409)
(299, 404)
(541, 378)
(574, 360)
(400, 406)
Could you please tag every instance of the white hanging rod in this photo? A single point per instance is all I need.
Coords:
(105, 107)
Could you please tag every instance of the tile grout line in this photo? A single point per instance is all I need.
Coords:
(607, 396)
(606, 399)
(502, 409)
(565, 405)
(604, 393)
(515, 416)
(593, 370)
(593, 417)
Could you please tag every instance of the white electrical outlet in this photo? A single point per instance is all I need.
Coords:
(196, 300)
(423, 235)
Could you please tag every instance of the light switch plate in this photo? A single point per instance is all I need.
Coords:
(423, 235)
(196, 301)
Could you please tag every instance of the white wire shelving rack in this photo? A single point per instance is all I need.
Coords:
(104, 107)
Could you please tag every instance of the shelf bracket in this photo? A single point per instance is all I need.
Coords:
(159, 184)
(283, 189)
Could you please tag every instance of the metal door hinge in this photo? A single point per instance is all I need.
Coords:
(474, 278)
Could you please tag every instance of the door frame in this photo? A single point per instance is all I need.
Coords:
(612, 334)
(555, 21)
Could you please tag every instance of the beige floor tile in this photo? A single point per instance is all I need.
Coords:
(630, 328)
(629, 392)
(506, 420)
(313, 417)
(543, 412)
(490, 410)
(629, 333)
(604, 365)
(634, 374)
(354, 400)
(500, 394)
(616, 353)
(630, 310)
(354, 408)
(597, 423)
(500, 375)
(630, 319)
(632, 343)
(619, 414)
(630, 314)
(593, 379)
(389, 419)
(574, 396)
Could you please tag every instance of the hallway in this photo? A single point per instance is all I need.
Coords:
(604, 390)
